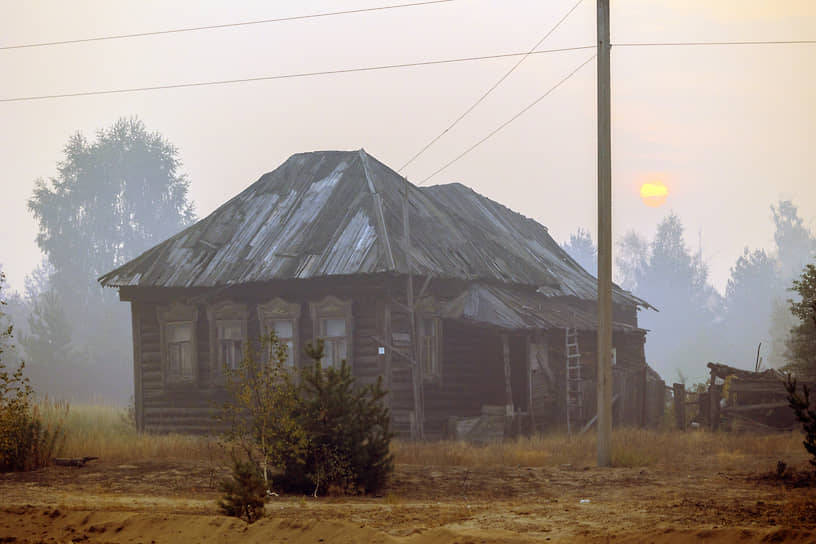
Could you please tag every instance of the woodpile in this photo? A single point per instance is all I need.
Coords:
(745, 400)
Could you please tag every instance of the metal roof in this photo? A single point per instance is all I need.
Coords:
(332, 213)
(514, 308)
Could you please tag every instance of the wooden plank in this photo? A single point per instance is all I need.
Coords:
(679, 406)
(714, 402)
(137, 364)
(151, 387)
(508, 388)
(152, 372)
(594, 418)
(150, 357)
(529, 372)
(752, 407)
(387, 334)
(739, 386)
(643, 395)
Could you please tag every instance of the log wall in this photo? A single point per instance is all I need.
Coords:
(179, 407)
(472, 376)
(192, 407)
(472, 370)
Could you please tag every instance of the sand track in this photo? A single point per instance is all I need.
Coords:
(176, 502)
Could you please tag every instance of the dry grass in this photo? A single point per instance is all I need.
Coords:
(104, 431)
(630, 448)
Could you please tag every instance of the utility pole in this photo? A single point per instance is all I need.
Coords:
(604, 375)
(416, 370)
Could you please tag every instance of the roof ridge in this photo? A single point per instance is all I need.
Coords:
(378, 211)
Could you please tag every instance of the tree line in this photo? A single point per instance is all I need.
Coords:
(767, 297)
(112, 198)
(122, 192)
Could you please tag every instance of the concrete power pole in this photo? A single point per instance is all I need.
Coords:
(604, 375)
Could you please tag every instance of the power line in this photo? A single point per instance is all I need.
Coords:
(682, 44)
(516, 116)
(225, 25)
(287, 76)
(490, 90)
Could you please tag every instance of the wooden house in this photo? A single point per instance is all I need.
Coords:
(467, 309)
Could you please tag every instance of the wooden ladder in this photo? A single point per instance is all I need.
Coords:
(575, 397)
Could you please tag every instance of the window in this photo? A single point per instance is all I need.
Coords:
(285, 331)
(179, 352)
(281, 317)
(178, 343)
(333, 333)
(227, 337)
(230, 335)
(331, 319)
(429, 346)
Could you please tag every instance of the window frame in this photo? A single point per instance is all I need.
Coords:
(225, 310)
(279, 309)
(177, 313)
(331, 307)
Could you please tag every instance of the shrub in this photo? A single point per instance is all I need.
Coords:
(324, 434)
(244, 492)
(800, 404)
(801, 344)
(26, 443)
(348, 429)
(261, 409)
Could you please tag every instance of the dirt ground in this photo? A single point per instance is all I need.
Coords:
(157, 502)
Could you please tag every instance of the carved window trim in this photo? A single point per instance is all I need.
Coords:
(279, 309)
(332, 307)
(225, 310)
(177, 314)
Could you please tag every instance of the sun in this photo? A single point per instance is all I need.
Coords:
(654, 194)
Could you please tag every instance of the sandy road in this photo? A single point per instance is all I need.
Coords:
(176, 502)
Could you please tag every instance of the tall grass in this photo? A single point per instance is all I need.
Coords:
(630, 448)
(105, 431)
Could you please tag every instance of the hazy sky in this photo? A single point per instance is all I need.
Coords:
(731, 129)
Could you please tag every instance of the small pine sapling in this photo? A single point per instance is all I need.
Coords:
(348, 426)
(244, 492)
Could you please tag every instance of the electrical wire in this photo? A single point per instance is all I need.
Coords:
(288, 76)
(491, 89)
(516, 116)
(631, 44)
(221, 26)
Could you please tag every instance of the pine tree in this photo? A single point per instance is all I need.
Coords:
(802, 340)
(348, 427)
(244, 492)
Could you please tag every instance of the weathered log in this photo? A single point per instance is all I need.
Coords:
(750, 407)
(679, 406)
(73, 461)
